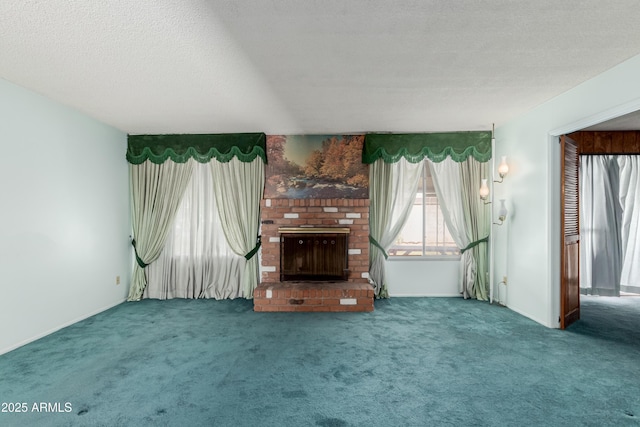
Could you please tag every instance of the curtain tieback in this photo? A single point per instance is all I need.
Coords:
(474, 244)
(141, 263)
(375, 243)
(254, 251)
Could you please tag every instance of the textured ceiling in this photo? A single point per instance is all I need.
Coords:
(629, 121)
(310, 66)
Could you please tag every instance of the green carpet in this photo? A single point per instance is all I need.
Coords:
(412, 362)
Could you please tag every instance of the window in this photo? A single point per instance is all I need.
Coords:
(425, 232)
(196, 261)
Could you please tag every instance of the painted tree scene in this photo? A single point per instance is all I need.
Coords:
(316, 167)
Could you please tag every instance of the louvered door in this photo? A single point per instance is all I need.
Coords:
(570, 232)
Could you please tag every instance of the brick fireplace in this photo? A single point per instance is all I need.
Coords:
(352, 292)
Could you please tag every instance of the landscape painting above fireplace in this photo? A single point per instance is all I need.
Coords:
(316, 167)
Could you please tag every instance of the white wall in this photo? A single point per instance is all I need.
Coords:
(423, 278)
(528, 250)
(64, 221)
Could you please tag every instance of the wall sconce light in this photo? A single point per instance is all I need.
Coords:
(503, 169)
(484, 191)
(502, 213)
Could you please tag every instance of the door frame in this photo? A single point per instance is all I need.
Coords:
(554, 195)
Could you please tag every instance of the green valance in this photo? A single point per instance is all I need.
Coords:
(202, 147)
(434, 146)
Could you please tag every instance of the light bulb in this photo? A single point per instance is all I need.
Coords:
(484, 189)
(502, 212)
(503, 168)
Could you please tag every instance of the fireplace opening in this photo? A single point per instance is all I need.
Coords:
(313, 253)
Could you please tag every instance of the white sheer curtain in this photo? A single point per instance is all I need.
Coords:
(196, 262)
(600, 216)
(467, 219)
(610, 224)
(392, 190)
(630, 228)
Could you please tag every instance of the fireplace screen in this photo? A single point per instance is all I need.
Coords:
(318, 254)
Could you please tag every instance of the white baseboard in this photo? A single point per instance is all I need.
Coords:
(527, 315)
(57, 328)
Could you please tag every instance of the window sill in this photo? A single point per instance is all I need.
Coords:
(425, 258)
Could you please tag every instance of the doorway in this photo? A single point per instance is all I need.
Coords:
(604, 144)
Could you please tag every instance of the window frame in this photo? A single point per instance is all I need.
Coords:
(424, 256)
